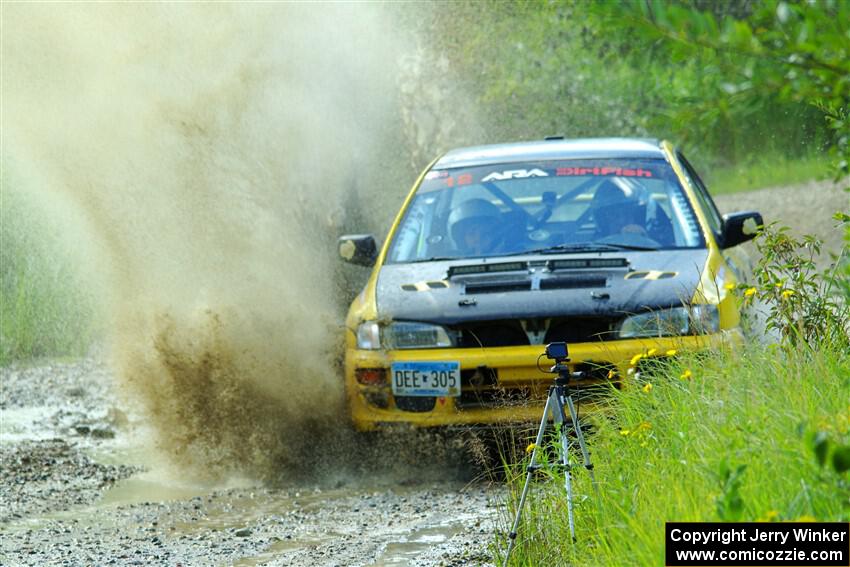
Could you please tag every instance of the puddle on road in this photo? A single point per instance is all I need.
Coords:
(400, 553)
(145, 487)
(225, 506)
(403, 552)
(24, 424)
(275, 550)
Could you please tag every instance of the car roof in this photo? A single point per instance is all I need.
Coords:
(554, 148)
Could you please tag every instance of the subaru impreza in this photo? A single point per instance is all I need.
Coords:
(613, 246)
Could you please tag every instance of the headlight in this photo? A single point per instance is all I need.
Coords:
(693, 320)
(369, 336)
(415, 335)
(402, 335)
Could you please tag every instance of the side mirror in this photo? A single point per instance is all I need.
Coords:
(740, 227)
(358, 249)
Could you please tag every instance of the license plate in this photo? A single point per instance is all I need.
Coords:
(426, 379)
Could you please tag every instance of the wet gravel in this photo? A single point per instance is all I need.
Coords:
(71, 493)
(51, 475)
(335, 530)
(51, 415)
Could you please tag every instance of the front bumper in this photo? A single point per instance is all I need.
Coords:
(500, 385)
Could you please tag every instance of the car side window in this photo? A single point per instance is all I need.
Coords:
(715, 221)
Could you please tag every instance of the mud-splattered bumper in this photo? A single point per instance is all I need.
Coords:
(498, 385)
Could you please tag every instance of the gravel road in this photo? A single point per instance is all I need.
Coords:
(78, 486)
(806, 208)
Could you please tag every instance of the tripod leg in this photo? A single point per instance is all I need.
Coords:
(532, 466)
(564, 450)
(587, 464)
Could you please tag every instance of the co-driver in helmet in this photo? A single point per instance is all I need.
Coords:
(619, 210)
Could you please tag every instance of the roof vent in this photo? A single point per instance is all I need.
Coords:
(550, 138)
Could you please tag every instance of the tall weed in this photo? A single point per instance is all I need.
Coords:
(805, 306)
(44, 308)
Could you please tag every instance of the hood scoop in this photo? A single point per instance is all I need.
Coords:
(577, 281)
(534, 283)
(497, 286)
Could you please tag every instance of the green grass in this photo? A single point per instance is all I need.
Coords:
(734, 442)
(44, 309)
(761, 171)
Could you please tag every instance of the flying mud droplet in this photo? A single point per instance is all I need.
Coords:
(202, 384)
(205, 158)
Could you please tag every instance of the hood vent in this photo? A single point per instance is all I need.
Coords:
(487, 268)
(579, 263)
(577, 281)
(498, 286)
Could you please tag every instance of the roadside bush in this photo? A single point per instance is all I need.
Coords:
(805, 307)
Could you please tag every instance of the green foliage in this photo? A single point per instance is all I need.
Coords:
(730, 505)
(731, 81)
(804, 306)
(770, 169)
(530, 73)
(742, 63)
(731, 440)
(43, 308)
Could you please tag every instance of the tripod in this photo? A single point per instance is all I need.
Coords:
(559, 396)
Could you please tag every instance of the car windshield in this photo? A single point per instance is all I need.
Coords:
(546, 207)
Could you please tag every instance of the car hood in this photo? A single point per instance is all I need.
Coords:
(525, 287)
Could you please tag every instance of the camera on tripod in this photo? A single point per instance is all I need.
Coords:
(557, 352)
(562, 409)
(561, 355)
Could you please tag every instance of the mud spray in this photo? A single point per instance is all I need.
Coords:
(203, 158)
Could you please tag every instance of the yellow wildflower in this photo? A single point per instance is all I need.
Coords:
(750, 292)
(647, 388)
(686, 375)
(671, 352)
(730, 286)
(625, 432)
(644, 425)
(530, 447)
(612, 374)
(652, 352)
(787, 293)
(635, 359)
(771, 515)
(805, 518)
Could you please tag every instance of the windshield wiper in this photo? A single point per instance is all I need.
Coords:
(433, 259)
(619, 246)
(586, 247)
(556, 249)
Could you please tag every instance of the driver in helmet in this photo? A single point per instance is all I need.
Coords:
(473, 226)
(619, 210)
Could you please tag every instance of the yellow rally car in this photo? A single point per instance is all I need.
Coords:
(613, 246)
